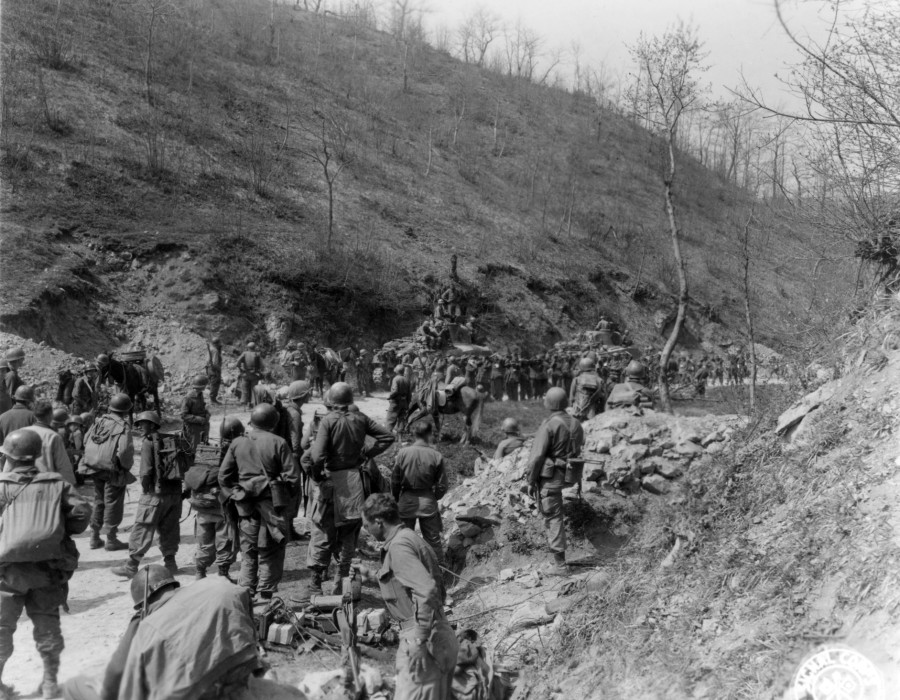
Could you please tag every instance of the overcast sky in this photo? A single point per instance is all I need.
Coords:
(739, 34)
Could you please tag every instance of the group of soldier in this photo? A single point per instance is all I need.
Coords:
(247, 492)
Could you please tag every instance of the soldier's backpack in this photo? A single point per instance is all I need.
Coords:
(101, 444)
(31, 522)
(203, 479)
(172, 456)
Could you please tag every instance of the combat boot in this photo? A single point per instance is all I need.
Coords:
(313, 587)
(49, 686)
(170, 563)
(223, 572)
(201, 573)
(559, 566)
(113, 543)
(128, 569)
(96, 541)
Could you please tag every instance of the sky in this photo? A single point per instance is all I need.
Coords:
(740, 35)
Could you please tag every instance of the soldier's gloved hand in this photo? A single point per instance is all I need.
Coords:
(185, 494)
(146, 484)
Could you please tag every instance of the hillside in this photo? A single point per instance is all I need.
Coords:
(207, 180)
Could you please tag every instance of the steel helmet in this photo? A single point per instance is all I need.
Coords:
(102, 359)
(150, 417)
(120, 403)
(592, 356)
(586, 364)
(399, 369)
(510, 425)
(281, 394)
(200, 382)
(216, 340)
(87, 419)
(363, 352)
(298, 390)
(24, 394)
(290, 345)
(149, 580)
(22, 445)
(556, 399)
(635, 370)
(341, 394)
(60, 418)
(231, 428)
(15, 354)
(78, 420)
(264, 416)
(251, 345)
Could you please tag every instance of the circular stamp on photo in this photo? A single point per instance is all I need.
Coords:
(836, 672)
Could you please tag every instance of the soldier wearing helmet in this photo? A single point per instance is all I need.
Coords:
(558, 439)
(20, 415)
(74, 443)
(513, 440)
(588, 393)
(159, 506)
(214, 367)
(53, 456)
(5, 397)
(199, 641)
(399, 397)
(110, 435)
(37, 562)
(336, 457)
(250, 366)
(15, 358)
(260, 475)
(195, 416)
(631, 393)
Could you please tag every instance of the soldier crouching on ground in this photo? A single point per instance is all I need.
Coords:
(196, 642)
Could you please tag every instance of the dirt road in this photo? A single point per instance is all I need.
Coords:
(100, 603)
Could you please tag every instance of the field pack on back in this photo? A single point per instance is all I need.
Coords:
(172, 455)
(102, 442)
(31, 523)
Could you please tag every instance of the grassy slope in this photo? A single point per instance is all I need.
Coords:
(221, 103)
(784, 546)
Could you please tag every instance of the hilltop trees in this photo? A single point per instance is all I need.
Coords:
(664, 89)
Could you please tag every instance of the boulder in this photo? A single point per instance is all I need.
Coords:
(688, 450)
(641, 437)
(711, 438)
(655, 484)
(485, 536)
(507, 574)
(469, 530)
(667, 468)
(791, 418)
(715, 448)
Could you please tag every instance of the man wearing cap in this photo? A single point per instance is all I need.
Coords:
(20, 415)
(83, 391)
(34, 574)
(194, 416)
(296, 394)
(159, 506)
(558, 439)
(110, 484)
(418, 482)
(15, 358)
(53, 457)
(364, 372)
(413, 591)
(337, 454)
(250, 366)
(214, 368)
(260, 475)
(193, 642)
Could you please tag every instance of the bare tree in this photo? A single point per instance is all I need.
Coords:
(154, 13)
(476, 34)
(327, 145)
(668, 67)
